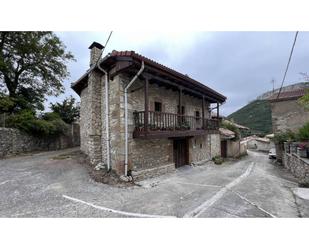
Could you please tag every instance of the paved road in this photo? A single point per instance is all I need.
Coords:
(49, 185)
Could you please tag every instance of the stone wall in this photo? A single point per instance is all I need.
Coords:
(214, 145)
(149, 156)
(288, 115)
(298, 166)
(92, 118)
(13, 141)
(199, 149)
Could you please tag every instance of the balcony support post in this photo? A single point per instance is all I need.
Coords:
(180, 119)
(146, 94)
(203, 112)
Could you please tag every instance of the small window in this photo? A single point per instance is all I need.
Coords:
(201, 146)
(158, 106)
(197, 114)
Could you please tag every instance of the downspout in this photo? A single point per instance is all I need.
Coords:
(106, 117)
(126, 116)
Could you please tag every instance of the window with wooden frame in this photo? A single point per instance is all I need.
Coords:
(157, 106)
(197, 115)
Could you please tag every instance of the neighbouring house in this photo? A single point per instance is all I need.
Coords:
(230, 145)
(244, 131)
(259, 143)
(142, 118)
(287, 113)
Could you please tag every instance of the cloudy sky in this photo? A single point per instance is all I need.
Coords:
(239, 65)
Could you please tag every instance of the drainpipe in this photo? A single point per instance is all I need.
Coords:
(126, 117)
(106, 117)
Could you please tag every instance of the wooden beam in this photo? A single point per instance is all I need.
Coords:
(217, 110)
(157, 78)
(186, 84)
(180, 101)
(203, 110)
(146, 94)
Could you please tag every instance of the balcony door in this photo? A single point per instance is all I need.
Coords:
(181, 152)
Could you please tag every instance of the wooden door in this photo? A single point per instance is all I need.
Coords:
(224, 148)
(181, 152)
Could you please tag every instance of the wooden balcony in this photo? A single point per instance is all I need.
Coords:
(160, 125)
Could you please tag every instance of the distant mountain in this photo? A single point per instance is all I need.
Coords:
(257, 114)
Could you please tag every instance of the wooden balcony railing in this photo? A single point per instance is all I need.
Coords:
(170, 124)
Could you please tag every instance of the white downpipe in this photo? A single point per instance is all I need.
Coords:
(126, 117)
(106, 118)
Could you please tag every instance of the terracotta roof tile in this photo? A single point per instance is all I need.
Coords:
(293, 94)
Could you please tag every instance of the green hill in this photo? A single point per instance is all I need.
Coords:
(256, 115)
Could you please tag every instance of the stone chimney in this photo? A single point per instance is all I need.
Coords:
(95, 52)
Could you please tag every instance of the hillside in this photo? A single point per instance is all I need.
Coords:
(256, 115)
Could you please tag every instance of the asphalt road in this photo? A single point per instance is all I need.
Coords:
(54, 184)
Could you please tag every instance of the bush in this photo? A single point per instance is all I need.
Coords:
(217, 160)
(47, 126)
(231, 127)
(303, 133)
(281, 137)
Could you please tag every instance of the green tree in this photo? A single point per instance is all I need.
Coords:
(304, 100)
(32, 65)
(68, 110)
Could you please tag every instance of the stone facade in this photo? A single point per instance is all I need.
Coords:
(298, 166)
(288, 114)
(146, 157)
(13, 141)
(149, 156)
(92, 119)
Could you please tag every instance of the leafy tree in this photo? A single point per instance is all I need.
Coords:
(68, 110)
(32, 65)
(230, 126)
(47, 126)
(304, 100)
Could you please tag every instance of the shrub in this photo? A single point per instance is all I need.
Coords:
(231, 127)
(303, 133)
(217, 160)
(284, 136)
(47, 126)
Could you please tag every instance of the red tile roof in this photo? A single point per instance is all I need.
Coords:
(146, 60)
(293, 94)
(135, 56)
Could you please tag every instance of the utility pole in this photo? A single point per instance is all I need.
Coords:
(273, 83)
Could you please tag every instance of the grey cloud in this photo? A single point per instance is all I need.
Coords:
(239, 65)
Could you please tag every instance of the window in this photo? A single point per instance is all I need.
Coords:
(158, 106)
(197, 115)
(182, 110)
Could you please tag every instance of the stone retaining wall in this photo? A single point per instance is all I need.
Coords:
(298, 166)
(14, 141)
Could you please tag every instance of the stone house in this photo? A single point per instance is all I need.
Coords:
(141, 118)
(286, 112)
(230, 146)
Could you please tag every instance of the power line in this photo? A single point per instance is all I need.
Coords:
(287, 66)
(110, 34)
